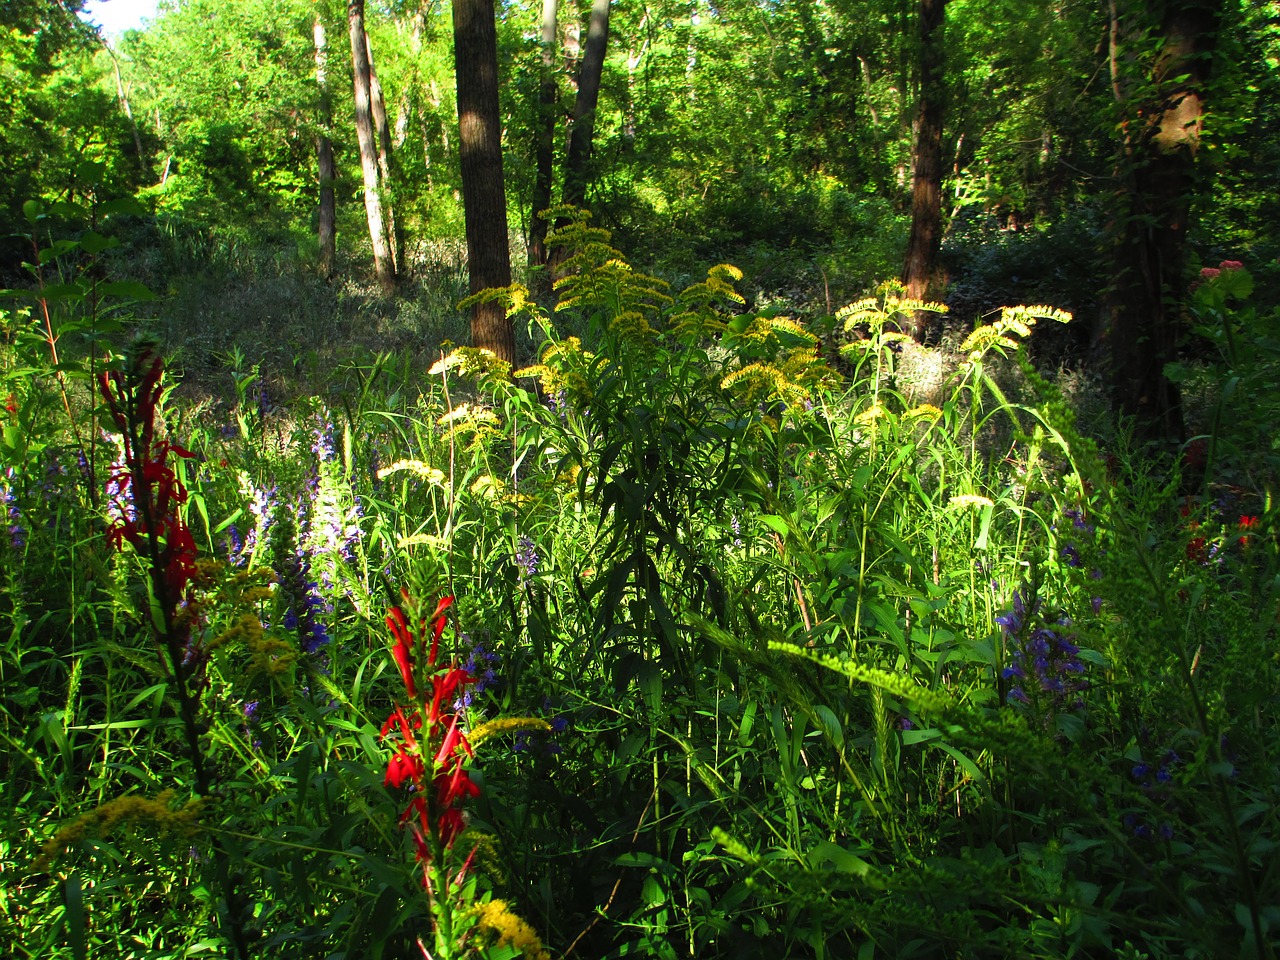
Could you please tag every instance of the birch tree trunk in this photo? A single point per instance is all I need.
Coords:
(383, 262)
(386, 163)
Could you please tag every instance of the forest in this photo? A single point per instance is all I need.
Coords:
(640, 478)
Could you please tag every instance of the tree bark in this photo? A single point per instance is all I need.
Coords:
(326, 227)
(480, 154)
(383, 262)
(925, 239)
(386, 163)
(1157, 179)
(577, 162)
(544, 149)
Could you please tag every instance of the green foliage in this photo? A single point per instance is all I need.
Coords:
(810, 662)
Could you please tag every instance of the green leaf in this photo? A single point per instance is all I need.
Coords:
(775, 523)
(73, 896)
(33, 210)
(129, 289)
(830, 724)
(912, 737)
(122, 205)
(90, 172)
(93, 242)
(825, 853)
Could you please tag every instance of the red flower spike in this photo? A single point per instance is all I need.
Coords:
(402, 649)
(1247, 523)
(437, 627)
(402, 767)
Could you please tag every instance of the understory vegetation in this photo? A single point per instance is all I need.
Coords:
(708, 591)
(710, 633)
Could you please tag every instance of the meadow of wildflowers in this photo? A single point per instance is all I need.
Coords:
(687, 640)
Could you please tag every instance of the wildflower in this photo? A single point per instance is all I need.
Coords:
(435, 808)
(1229, 265)
(527, 559)
(1208, 273)
(496, 922)
(17, 533)
(482, 665)
(322, 438)
(559, 403)
(261, 395)
(306, 608)
(1197, 550)
(145, 491)
(736, 525)
(1042, 652)
(235, 544)
(1246, 523)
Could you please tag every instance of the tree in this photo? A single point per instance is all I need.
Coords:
(578, 159)
(544, 144)
(1161, 86)
(484, 199)
(227, 93)
(383, 260)
(925, 240)
(326, 229)
(386, 162)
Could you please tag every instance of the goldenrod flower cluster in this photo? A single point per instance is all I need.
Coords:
(496, 923)
(102, 820)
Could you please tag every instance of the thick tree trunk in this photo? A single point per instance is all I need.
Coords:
(480, 154)
(1157, 180)
(544, 149)
(326, 227)
(926, 183)
(383, 262)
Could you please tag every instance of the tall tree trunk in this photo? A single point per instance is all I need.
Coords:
(383, 263)
(544, 148)
(484, 200)
(1157, 181)
(926, 183)
(123, 96)
(326, 227)
(577, 162)
(386, 162)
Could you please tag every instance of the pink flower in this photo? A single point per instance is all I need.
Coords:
(1230, 265)
(1208, 273)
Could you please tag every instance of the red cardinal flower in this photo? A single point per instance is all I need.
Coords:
(402, 767)
(432, 753)
(402, 648)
